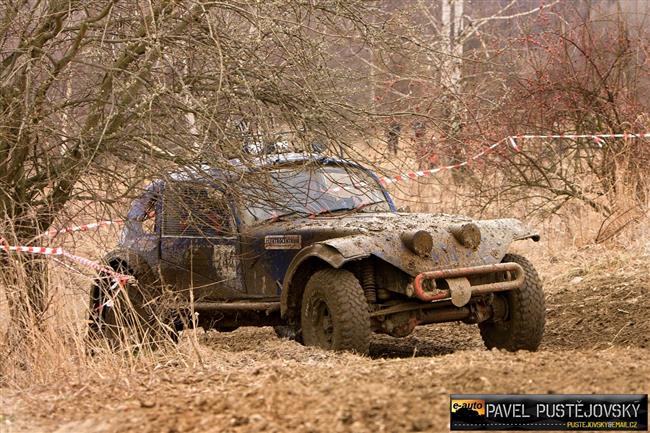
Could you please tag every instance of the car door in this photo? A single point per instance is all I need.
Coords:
(199, 243)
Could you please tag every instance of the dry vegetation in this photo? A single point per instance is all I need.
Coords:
(597, 340)
(71, 154)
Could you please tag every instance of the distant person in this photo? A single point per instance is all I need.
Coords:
(426, 154)
(392, 137)
(419, 129)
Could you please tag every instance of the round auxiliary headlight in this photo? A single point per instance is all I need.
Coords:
(468, 234)
(420, 242)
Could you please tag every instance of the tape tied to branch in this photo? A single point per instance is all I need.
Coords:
(83, 228)
(121, 279)
(599, 139)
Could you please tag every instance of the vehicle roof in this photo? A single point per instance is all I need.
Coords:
(205, 172)
(283, 158)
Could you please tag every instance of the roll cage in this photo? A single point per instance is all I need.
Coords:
(204, 181)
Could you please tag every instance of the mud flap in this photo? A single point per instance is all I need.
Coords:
(461, 291)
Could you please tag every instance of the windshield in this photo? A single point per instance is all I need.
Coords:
(306, 190)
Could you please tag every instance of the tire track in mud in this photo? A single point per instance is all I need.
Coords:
(255, 382)
(596, 341)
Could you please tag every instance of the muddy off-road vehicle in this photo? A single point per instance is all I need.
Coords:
(314, 247)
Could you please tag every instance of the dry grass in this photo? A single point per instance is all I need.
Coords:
(249, 380)
(598, 296)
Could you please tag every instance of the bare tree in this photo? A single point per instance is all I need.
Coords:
(578, 74)
(96, 96)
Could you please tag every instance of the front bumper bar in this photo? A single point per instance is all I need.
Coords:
(512, 274)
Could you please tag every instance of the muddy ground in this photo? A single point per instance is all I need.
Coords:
(597, 341)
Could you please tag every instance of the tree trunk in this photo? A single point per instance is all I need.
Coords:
(25, 279)
(27, 291)
(451, 75)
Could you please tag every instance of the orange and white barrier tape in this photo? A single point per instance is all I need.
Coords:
(83, 228)
(119, 278)
(33, 250)
(599, 139)
(594, 136)
(425, 173)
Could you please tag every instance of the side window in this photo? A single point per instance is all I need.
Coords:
(149, 222)
(193, 210)
(144, 210)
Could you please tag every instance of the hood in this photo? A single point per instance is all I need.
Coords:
(359, 235)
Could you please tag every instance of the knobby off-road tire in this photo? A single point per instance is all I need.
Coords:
(288, 332)
(129, 321)
(523, 327)
(335, 312)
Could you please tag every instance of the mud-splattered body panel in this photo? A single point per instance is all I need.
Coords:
(255, 260)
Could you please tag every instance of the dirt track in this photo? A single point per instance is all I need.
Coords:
(597, 341)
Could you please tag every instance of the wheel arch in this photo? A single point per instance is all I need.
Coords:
(120, 261)
(303, 266)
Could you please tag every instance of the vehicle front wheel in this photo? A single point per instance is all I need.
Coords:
(523, 327)
(335, 313)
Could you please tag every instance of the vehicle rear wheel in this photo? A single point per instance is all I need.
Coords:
(335, 312)
(123, 317)
(523, 326)
(288, 332)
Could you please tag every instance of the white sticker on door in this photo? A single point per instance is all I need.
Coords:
(225, 261)
(283, 242)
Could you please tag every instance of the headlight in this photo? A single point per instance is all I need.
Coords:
(468, 234)
(420, 242)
